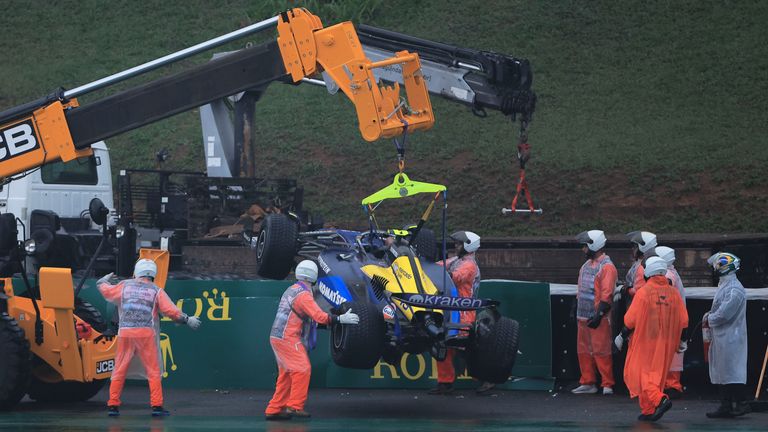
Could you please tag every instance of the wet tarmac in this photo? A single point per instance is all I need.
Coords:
(373, 410)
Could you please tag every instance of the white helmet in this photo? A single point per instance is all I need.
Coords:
(306, 271)
(470, 240)
(644, 240)
(594, 239)
(655, 266)
(665, 253)
(145, 268)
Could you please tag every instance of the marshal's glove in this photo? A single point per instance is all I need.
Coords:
(683, 347)
(602, 310)
(192, 322)
(104, 279)
(618, 342)
(349, 318)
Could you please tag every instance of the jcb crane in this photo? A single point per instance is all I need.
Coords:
(72, 361)
(482, 80)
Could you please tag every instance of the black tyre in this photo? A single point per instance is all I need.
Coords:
(14, 362)
(61, 391)
(45, 384)
(492, 355)
(86, 312)
(425, 245)
(276, 246)
(359, 346)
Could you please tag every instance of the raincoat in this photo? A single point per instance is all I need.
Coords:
(657, 316)
(465, 274)
(139, 303)
(597, 280)
(728, 321)
(296, 314)
(673, 378)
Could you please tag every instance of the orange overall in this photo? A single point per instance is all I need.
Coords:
(296, 311)
(658, 316)
(597, 280)
(465, 274)
(138, 302)
(676, 368)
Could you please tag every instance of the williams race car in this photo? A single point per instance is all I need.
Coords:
(406, 301)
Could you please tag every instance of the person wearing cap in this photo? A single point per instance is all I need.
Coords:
(673, 387)
(290, 338)
(728, 350)
(656, 319)
(594, 297)
(465, 274)
(139, 302)
(643, 243)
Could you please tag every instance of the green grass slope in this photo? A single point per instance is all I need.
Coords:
(651, 115)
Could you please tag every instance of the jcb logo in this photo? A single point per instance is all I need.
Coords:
(105, 366)
(17, 139)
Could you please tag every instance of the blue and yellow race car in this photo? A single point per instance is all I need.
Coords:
(406, 301)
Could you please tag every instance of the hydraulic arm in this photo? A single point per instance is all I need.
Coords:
(480, 79)
(56, 127)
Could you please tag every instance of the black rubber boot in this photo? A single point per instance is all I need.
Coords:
(158, 411)
(485, 388)
(739, 407)
(663, 407)
(298, 413)
(282, 415)
(724, 410)
(442, 389)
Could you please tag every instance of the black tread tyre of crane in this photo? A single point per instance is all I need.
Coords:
(276, 246)
(43, 390)
(14, 362)
(492, 356)
(359, 346)
(426, 245)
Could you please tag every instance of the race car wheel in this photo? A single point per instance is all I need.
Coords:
(14, 362)
(359, 346)
(276, 246)
(425, 245)
(86, 312)
(46, 385)
(493, 353)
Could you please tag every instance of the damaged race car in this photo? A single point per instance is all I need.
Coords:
(406, 301)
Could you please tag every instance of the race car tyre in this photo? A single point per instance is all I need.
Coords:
(426, 245)
(493, 353)
(359, 346)
(45, 384)
(14, 362)
(276, 246)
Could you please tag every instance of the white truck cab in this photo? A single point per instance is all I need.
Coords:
(64, 188)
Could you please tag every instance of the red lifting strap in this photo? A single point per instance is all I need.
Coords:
(522, 186)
